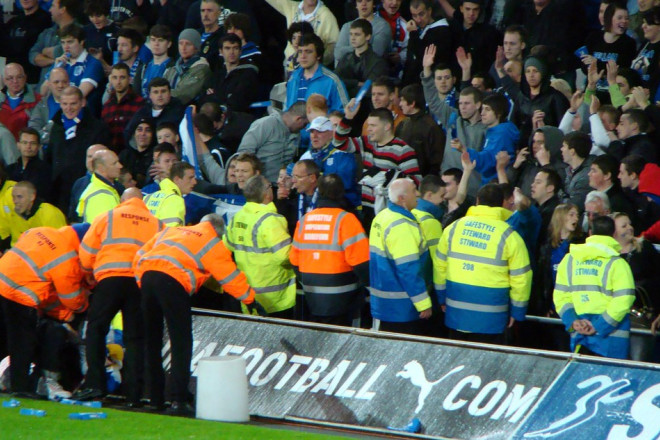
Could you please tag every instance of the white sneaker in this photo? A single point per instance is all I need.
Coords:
(52, 389)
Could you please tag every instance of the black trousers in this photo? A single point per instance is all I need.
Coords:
(22, 329)
(164, 297)
(110, 296)
(410, 328)
(485, 338)
(345, 320)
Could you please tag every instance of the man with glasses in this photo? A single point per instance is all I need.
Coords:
(16, 99)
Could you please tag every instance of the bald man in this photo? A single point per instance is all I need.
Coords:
(398, 253)
(45, 111)
(100, 196)
(16, 99)
(80, 184)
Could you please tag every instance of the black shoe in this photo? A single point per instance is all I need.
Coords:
(88, 394)
(27, 395)
(157, 406)
(133, 404)
(181, 409)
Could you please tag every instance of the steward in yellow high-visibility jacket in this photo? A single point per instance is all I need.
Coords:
(100, 196)
(397, 254)
(29, 212)
(428, 214)
(167, 204)
(481, 269)
(259, 238)
(595, 284)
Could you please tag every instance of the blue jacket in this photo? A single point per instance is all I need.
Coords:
(527, 224)
(333, 161)
(324, 82)
(397, 253)
(503, 136)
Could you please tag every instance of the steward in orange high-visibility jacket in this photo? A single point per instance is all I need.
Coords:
(41, 275)
(108, 249)
(170, 268)
(331, 252)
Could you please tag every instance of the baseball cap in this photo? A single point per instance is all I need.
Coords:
(320, 123)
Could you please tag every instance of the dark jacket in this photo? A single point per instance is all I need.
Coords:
(550, 101)
(68, 157)
(427, 139)
(543, 282)
(236, 89)
(37, 171)
(576, 184)
(137, 162)
(639, 144)
(546, 210)
(644, 265)
(437, 33)
(620, 203)
(480, 40)
(17, 37)
(173, 112)
(560, 25)
(353, 69)
(523, 176)
(646, 212)
(211, 47)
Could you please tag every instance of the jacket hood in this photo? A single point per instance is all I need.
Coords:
(507, 129)
(554, 138)
(597, 247)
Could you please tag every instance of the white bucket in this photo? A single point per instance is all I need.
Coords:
(222, 389)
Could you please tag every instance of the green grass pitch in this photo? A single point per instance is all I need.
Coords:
(125, 425)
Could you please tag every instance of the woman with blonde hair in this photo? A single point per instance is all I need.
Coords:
(563, 231)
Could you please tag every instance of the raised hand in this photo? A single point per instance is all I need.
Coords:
(500, 59)
(464, 59)
(521, 157)
(612, 71)
(576, 101)
(468, 165)
(593, 76)
(429, 56)
(349, 112)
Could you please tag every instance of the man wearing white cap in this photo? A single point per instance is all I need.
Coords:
(331, 160)
(191, 71)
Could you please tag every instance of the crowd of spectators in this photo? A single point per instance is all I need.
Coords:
(546, 110)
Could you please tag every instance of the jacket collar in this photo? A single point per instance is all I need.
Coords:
(400, 210)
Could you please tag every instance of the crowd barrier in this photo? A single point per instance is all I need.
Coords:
(365, 380)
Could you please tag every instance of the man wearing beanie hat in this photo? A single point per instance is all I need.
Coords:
(40, 276)
(191, 71)
(535, 102)
(649, 185)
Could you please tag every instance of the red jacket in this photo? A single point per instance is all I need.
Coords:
(17, 118)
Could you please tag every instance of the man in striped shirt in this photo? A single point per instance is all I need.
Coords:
(383, 154)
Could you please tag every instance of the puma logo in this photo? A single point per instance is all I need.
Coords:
(414, 372)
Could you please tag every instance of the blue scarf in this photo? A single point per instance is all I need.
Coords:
(182, 67)
(71, 125)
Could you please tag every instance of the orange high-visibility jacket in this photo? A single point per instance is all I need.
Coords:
(113, 239)
(327, 245)
(191, 255)
(43, 271)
